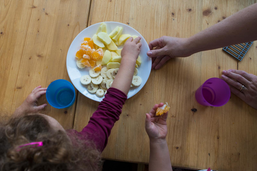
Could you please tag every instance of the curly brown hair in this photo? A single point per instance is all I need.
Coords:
(59, 151)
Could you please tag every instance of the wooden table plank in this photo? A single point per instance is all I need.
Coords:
(35, 48)
(210, 137)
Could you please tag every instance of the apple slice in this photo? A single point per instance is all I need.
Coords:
(104, 38)
(112, 46)
(107, 57)
(116, 37)
(97, 41)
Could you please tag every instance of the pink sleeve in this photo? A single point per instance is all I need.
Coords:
(108, 112)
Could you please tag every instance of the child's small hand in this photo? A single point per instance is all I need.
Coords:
(131, 48)
(30, 104)
(156, 127)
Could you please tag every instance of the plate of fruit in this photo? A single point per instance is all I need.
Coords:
(94, 56)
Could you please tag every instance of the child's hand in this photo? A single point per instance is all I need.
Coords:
(131, 48)
(156, 127)
(30, 104)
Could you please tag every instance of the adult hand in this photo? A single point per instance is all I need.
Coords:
(165, 48)
(30, 105)
(243, 85)
(156, 126)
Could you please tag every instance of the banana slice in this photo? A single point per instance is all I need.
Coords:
(135, 72)
(92, 73)
(103, 72)
(97, 80)
(103, 85)
(111, 73)
(136, 81)
(85, 79)
(109, 83)
(80, 65)
(91, 88)
(100, 92)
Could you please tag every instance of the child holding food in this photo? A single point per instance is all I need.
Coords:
(32, 141)
(156, 128)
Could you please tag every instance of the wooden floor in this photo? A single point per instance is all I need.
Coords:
(35, 36)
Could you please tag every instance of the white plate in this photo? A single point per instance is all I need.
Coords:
(75, 73)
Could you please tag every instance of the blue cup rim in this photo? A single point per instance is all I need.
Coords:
(73, 89)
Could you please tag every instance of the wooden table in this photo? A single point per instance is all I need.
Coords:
(34, 39)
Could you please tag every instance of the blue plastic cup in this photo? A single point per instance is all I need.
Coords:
(60, 94)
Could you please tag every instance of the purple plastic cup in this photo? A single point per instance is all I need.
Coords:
(214, 92)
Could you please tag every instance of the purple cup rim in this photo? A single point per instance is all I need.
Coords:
(227, 86)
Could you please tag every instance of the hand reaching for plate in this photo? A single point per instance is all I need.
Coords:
(165, 48)
(243, 85)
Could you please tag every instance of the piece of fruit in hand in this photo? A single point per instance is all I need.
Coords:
(161, 110)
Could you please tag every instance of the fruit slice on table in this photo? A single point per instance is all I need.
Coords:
(104, 38)
(93, 74)
(80, 65)
(114, 32)
(113, 65)
(136, 81)
(161, 110)
(102, 28)
(112, 46)
(85, 79)
(97, 41)
(85, 62)
(91, 88)
(100, 92)
(116, 37)
(98, 80)
(139, 61)
(123, 38)
(107, 57)
(97, 68)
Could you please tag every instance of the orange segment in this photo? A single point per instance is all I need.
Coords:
(91, 44)
(100, 52)
(95, 56)
(98, 68)
(92, 63)
(85, 56)
(80, 53)
(87, 39)
(85, 62)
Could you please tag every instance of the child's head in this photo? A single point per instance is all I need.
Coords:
(59, 151)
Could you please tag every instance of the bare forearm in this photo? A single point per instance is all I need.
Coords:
(124, 77)
(159, 156)
(238, 28)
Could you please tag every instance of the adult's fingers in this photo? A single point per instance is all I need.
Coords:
(157, 52)
(165, 116)
(162, 62)
(237, 93)
(236, 77)
(156, 61)
(155, 43)
(152, 112)
(232, 82)
(243, 73)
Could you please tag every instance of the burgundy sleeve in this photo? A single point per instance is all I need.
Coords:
(108, 112)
